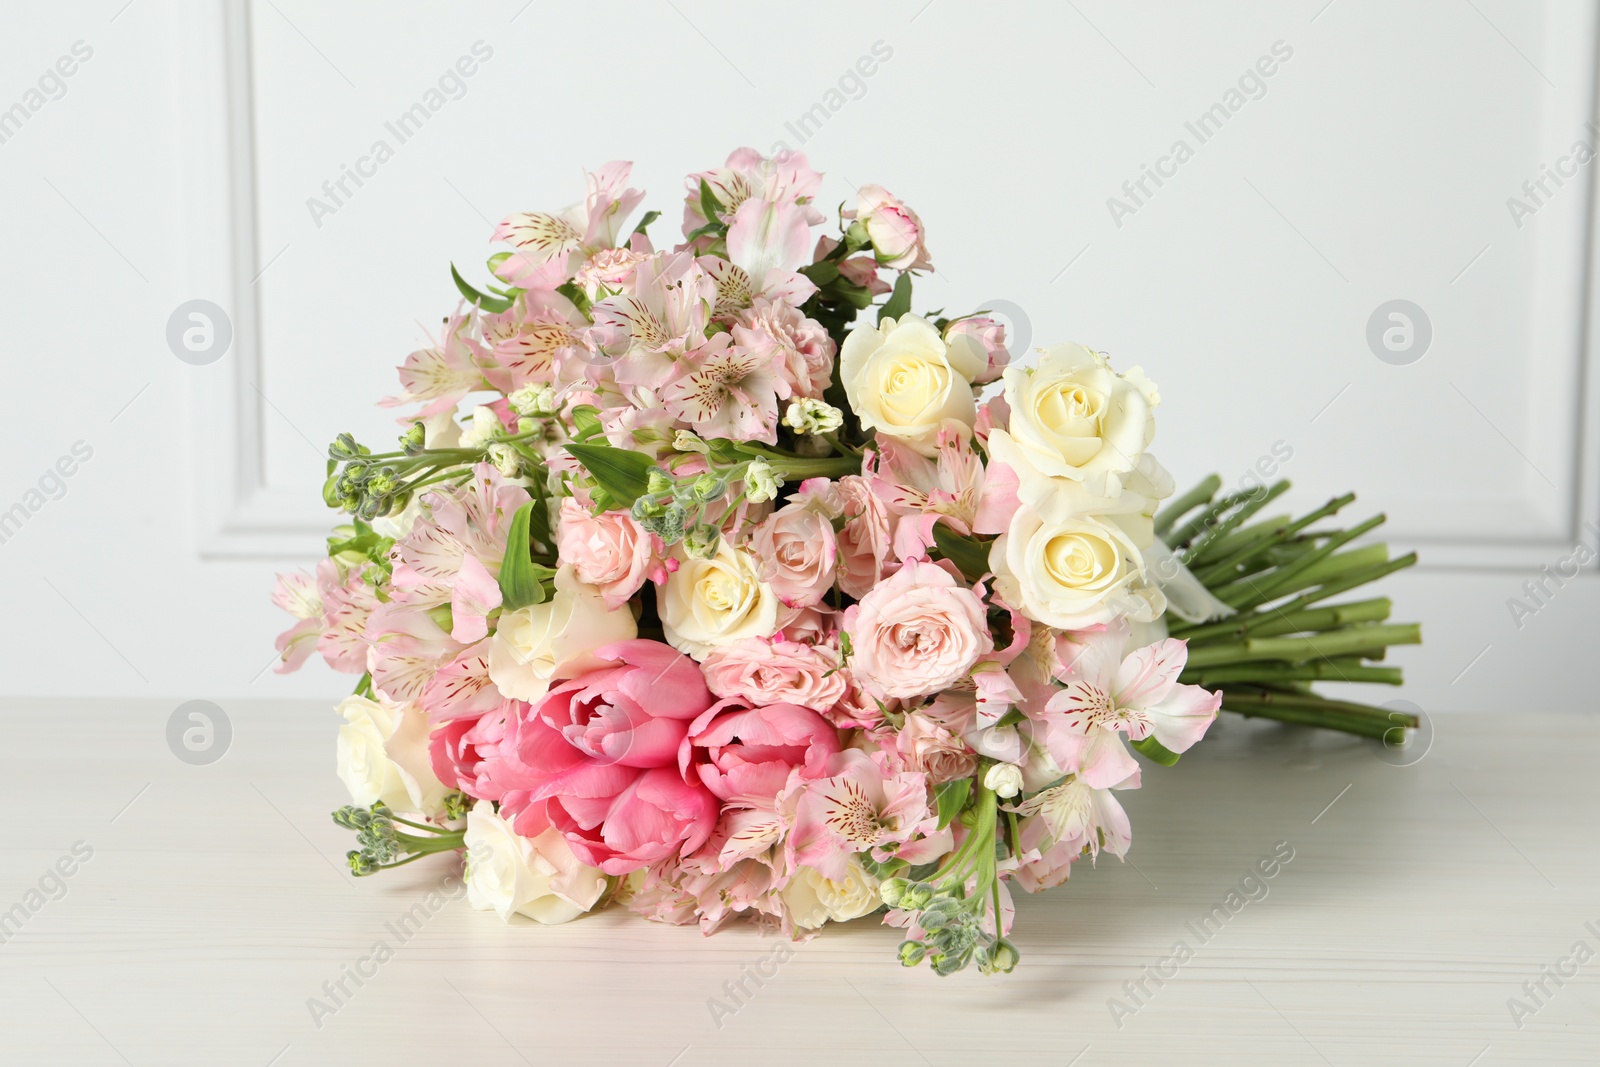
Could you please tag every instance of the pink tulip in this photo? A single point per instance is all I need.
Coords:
(655, 816)
(744, 753)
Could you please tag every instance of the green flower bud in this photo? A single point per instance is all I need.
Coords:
(892, 890)
(912, 953)
(360, 863)
(382, 481)
(456, 805)
(673, 520)
(351, 818)
(916, 896)
(1003, 957)
(701, 542)
(708, 487)
(414, 440)
(659, 481)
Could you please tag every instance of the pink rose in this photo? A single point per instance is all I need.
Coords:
(932, 749)
(746, 754)
(777, 671)
(894, 229)
(864, 557)
(796, 547)
(986, 339)
(609, 551)
(799, 347)
(918, 632)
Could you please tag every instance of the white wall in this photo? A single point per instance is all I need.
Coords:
(1375, 164)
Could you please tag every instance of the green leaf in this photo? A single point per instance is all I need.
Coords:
(821, 272)
(586, 423)
(1150, 748)
(710, 206)
(899, 301)
(951, 797)
(579, 298)
(623, 473)
(649, 217)
(483, 300)
(972, 557)
(519, 584)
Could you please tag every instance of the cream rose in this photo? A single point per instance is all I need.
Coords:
(904, 381)
(538, 878)
(1072, 572)
(364, 766)
(813, 900)
(383, 755)
(1073, 417)
(717, 601)
(531, 643)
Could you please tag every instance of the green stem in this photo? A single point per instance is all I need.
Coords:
(1217, 535)
(1220, 567)
(1340, 670)
(1181, 506)
(1354, 641)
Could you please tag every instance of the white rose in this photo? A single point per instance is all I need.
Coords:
(538, 878)
(531, 643)
(363, 765)
(1139, 491)
(1073, 417)
(904, 381)
(813, 900)
(1072, 572)
(716, 601)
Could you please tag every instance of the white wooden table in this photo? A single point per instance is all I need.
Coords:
(1420, 899)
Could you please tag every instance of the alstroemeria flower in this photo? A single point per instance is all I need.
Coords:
(766, 242)
(556, 240)
(663, 314)
(1138, 695)
(727, 391)
(525, 338)
(859, 807)
(452, 554)
(440, 376)
(748, 175)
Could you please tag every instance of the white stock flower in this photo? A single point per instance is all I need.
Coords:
(808, 416)
(531, 643)
(539, 878)
(716, 601)
(485, 424)
(505, 459)
(1004, 780)
(904, 381)
(760, 484)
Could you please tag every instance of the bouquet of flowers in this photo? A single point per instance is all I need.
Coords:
(688, 591)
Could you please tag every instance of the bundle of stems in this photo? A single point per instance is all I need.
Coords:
(1279, 574)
